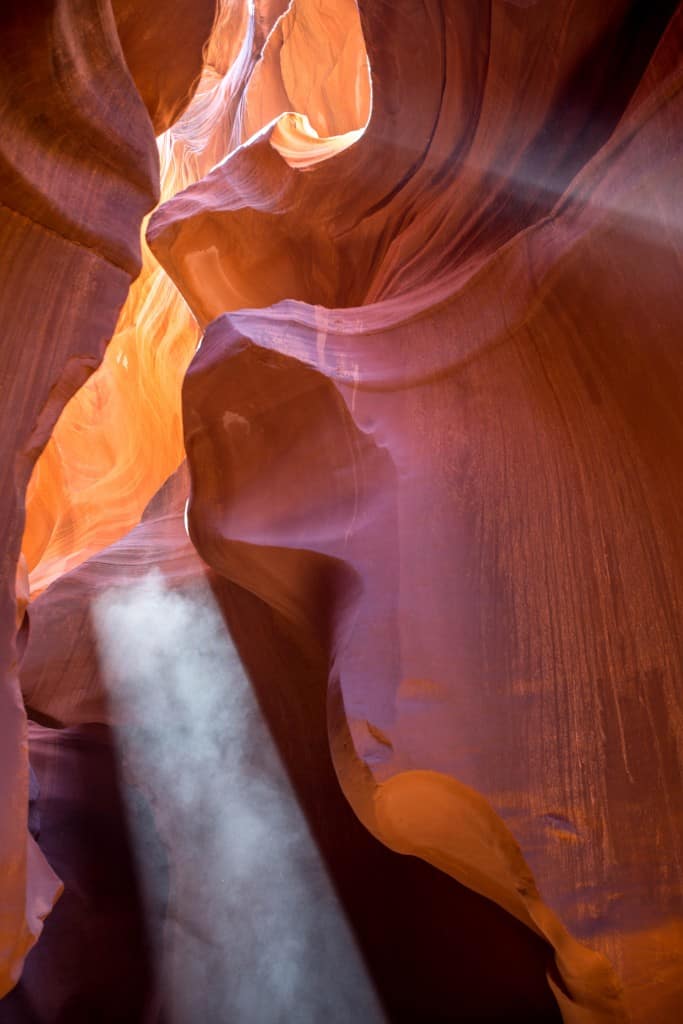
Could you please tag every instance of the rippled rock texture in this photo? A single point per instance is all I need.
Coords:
(78, 171)
(433, 434)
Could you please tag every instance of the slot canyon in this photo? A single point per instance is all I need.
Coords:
(341, 505)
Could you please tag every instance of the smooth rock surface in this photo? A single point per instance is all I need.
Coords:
(435, 451)
(78, 171)
(446, 438)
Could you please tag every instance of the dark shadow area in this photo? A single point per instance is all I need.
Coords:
(93, 962)
(586, 111)
(435, 950)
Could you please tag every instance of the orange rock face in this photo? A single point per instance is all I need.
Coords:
(454, 479)
(78, 171)
(433, 430)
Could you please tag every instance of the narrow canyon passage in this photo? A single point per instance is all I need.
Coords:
(342, 539)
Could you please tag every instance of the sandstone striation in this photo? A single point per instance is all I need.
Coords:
(410, 308)
(78, 171)
(433, 419)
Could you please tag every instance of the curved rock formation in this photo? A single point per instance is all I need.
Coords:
(450, 445)
(82, 497)
(433, 429)
(401, 910)
(78, 171)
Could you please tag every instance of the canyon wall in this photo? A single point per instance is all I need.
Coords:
(411, 312)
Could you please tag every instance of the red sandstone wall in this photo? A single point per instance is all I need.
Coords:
(434, 423)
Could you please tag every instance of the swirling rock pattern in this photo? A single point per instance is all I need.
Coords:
(78, 171)
(433, 425)
(64, 685)
(445, 436)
